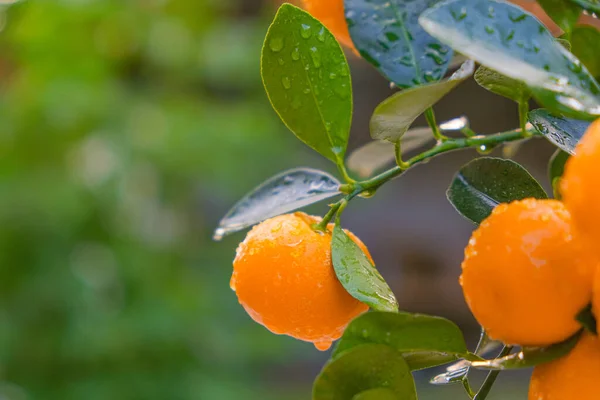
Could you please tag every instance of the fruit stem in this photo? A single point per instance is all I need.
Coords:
(440, 148)
(486, 387)
(437, 133)
(322, 226)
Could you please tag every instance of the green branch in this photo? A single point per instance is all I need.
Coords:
(486, 387)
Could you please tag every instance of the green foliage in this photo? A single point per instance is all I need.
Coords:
(588, 5)
(363, 368)
(285, 192)
(307, 78)
(563, 132)
(484, 183)
(502, 85)
(358, 275)
(424, 341)
(556, 168)
(585, 42)
(511, 41)
(563, 12)
(395, 115)
(388, 35)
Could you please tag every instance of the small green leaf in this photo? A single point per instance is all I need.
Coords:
(502, 85)
(395, 115)
(556, 168)
(482, 184)
(388, 35)
(588, 5)
(307, 78)
(505, 38)
(562, 12)
(423, 340)
(285, 192)
(363, 368)
(585, 41)
(358, 275)
(564, 43)
(377, 394)
(563, 132)
(587, 319)
(529, 356)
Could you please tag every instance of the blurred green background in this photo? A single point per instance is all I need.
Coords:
(127, 128)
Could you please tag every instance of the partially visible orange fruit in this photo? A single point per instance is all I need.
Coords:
(526, 275)
(331, 14)
(284, 278)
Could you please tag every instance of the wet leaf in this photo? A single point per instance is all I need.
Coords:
(358, 275)
(395, 115)
(503, 37)
(529, 356)
(562, 12)
(370, 366)
(307, 78)
(585, 41)
(377, 394)
(589, 5)
(556, 168)
(563, 132)
(283, 193)
(387, 35)
(424, 341)
(502, 85)
(376, 155)
(482, 184)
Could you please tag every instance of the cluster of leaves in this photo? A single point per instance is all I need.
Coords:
(413, 44)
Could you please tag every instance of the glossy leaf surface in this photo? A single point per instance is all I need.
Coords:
(563, 132)
(281, 194)
(307, 78)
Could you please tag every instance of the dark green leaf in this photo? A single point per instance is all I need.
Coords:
(486, 182)
(503, 37)
(564, 43)
(585, 41)
(308, 82)
(588, 320)
(556, 168)
(564, 13)
(563, 132)
(358, 275)
(369, 366)
(502, 85)
(377, 394)
(423, 340)
(285, 192)
(529, 356)
(589, 5)
(387, 34)
(395, 115)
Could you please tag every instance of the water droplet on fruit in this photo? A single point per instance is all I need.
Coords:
(323, 345)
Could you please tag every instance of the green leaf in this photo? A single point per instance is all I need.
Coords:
(562, 12)
(556, 168)
(529, 356)
(285, 192)
(482, 184)
(563, 132)
(423, 340)
(503, 37)
(387, 35)
(377, 394)
(377, 154)
(395, 115)
(502, 85)
(307, 78)
(358, 275)
(589, 5)
(363, 368)
(585, 41)
(587, 319)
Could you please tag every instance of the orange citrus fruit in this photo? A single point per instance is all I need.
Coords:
(525, 275)
(283, 276)
(331, 14)
(573, 377)
(596, 299)
(580, 185)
